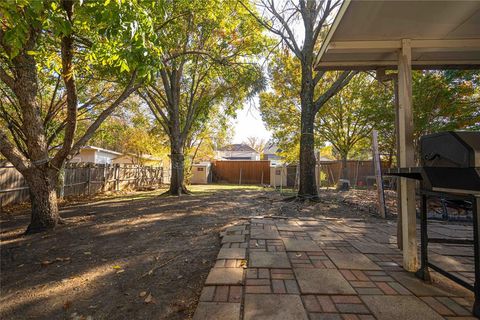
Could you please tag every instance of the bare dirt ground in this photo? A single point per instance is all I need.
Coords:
(137, 256)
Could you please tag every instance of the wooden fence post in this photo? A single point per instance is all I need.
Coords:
(88, 179)
(240, 178)
(104, 181)
(117, 177)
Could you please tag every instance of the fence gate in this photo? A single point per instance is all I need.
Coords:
(241, 172)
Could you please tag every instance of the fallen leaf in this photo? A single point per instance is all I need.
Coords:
(142, 294)
(45, 263)
(243, 264)
(148, 299)
(117, 267)
(87, 253)
(120, 271)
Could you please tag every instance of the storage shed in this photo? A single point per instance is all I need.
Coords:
(201, 173)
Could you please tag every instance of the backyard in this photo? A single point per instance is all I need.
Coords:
(245, 159)
(132, 256)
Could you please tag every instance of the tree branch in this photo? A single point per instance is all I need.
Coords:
(129, 89)
(341, 82)
(12, 154)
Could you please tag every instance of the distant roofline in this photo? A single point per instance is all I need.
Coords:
(243, 145)
(100, 149)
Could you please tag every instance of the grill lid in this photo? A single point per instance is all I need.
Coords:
(454, 149)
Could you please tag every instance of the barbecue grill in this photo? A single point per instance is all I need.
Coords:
(450, 169)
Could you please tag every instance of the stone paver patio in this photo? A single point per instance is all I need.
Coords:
(325, 268)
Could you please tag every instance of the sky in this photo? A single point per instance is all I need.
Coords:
(249, 124)
(249, 121)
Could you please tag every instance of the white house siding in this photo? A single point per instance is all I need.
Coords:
(102, 157)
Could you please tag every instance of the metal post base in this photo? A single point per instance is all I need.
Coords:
(423, 273)
(476, 307)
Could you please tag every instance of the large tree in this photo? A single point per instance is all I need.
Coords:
(442, 101)
(288, 20)
(53, 55)
(207, 61)
(348, 118)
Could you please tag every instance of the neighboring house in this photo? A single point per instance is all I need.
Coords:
(270, 152)
(237, 152)
(91, 154)
(143, 159)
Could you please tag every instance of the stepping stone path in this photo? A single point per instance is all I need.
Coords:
(326, 268)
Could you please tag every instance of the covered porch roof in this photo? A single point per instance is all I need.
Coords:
(367, 35)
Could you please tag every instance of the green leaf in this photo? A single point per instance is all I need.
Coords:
(124, 67)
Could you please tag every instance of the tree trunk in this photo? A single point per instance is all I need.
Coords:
(43, 197)
(345, 167)
(177, 183)
(308, 185)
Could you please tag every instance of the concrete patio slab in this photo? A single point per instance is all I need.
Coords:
(217, 311)
(232, 253)
(417, 286)
(325, 235)
(289, 227)
(300, 245)
(274, 307)
(240, 227)
(264, 234)
(269, 260)
(371, 247)
(306, 282)
(356, 261)
(224, 276)
(399, 308)
(233, 238)
(322, 281)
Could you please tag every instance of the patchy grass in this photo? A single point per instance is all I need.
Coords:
(203, 189)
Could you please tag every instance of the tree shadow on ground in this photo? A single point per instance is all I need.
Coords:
(111, 255)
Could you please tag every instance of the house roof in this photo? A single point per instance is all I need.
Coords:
(101, 149)
(368, 34)
(238, 147)
(143, 156)
(271, 148)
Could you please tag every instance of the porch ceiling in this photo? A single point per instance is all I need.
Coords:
(367, 34)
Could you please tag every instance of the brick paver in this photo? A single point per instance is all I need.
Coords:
(272, 268)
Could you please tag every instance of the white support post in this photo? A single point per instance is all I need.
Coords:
(406, 157)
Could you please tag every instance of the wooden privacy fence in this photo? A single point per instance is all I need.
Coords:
(83, 179)
(241, 172)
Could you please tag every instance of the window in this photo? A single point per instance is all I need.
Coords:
(200, 169)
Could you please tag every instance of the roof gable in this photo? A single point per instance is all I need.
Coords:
(238, 147)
